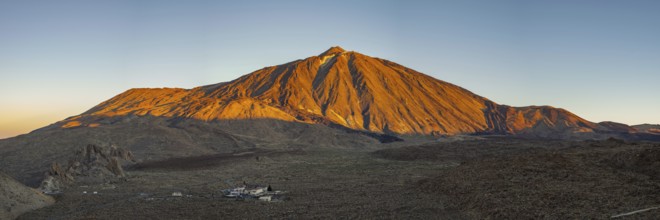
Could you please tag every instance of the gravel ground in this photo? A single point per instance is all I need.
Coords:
(485, 178)
(589, 180)
(318, 184)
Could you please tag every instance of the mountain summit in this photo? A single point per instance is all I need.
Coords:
(348, 89)
(332, 51)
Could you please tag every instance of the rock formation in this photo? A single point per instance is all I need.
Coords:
(93, 163)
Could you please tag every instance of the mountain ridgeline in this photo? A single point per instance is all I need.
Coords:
(350, 90)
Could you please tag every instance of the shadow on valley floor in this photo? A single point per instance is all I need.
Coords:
(209, 161)
(27, 157)
(462, 148)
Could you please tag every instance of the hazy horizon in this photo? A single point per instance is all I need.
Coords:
(597, 59)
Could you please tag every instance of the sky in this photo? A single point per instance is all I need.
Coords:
(597, 59)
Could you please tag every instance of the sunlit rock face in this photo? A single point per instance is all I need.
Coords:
(344, 88)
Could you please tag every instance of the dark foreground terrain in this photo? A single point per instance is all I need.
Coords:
(566, 180)
(495, 177)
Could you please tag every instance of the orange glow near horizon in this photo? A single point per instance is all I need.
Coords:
(23, 126)
(13, 123)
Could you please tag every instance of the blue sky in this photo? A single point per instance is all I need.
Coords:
(598, 59)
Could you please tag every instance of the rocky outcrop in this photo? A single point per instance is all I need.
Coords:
(93, 163)
(16, 198)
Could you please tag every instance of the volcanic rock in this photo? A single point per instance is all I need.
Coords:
(93, 163)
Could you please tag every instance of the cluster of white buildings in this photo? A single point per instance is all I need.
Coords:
(263, 193)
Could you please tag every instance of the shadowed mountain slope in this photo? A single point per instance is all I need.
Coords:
(150, 138)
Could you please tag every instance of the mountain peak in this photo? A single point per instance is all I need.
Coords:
(333, 50)
(357, 92)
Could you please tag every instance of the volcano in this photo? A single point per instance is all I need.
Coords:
(337, 99)
(348, 89)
